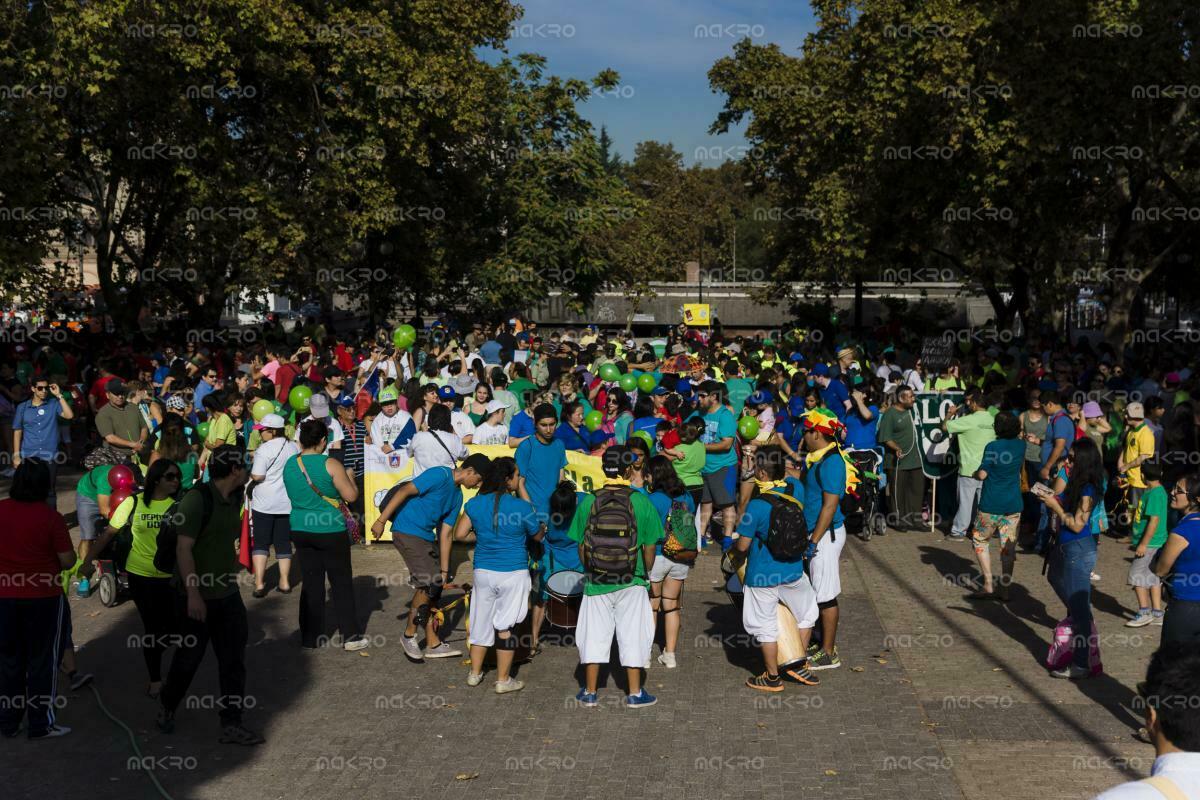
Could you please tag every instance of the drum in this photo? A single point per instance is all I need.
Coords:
(566, 595)
(790, 648)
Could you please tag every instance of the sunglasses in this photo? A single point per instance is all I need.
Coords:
(703, 394)
(40, 388)
(1178, 490)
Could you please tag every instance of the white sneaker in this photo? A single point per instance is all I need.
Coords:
(510, 685)
(1095, 577)
(443, 650)
(359, 643)
(411, 648)
(474, 678)
(667, 660)
(53, 732)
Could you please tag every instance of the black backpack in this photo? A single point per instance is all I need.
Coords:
(168, 531)
(787, 530)
(610, 548)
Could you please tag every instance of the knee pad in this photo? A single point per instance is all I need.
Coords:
(828, 604)
(509, 643)
(422, 615)
(434, 591)
(674, 610)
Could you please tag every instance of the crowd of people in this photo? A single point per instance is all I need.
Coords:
(740, 441)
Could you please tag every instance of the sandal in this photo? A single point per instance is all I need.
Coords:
(260, 593)
(982, 595)
(282, 590)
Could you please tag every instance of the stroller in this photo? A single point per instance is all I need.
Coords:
(111, 579)
(861, 509)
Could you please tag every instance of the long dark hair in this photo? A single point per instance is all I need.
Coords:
(1087, 470)
(495, 482)
(173, 442)
(644, 407)
(562, 505)
(31, 481)
(155, 474)
(663, 477)
(439, 419)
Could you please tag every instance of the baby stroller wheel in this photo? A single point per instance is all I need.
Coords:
(877, 524)
(107, 589)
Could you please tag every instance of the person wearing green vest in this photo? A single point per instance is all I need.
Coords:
(973, 430)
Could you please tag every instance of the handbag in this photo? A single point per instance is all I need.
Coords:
(351, 523)
(245, 548)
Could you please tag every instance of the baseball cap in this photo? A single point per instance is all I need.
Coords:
(447, 393)
(346, 401)
(115, 386)
(1135, 411)
(759, 398)
(388, 395)
(1172, 379)
(684, 386)
(660, 391)
(270, 421)
(821, 370)
(176, 402)
(496, 405)
(318, 406)
(796, 406)
(1091, 410)
(796, 357)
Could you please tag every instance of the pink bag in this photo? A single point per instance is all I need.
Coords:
(1062, 651)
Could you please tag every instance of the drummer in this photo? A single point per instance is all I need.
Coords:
(501, 525)
(769, 582)
(666, 576)
(561, 553)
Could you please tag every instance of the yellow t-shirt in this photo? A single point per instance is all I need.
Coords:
(221, 430)
(145, 524)
(1139, 441)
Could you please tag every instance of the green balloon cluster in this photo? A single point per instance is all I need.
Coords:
(610, 372)
(593, 420)
(627, 382)
(646, 383)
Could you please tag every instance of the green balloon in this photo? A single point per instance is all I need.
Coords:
(593, 420)
(646, 382)
(202, 429)
(646, 438)
(299, 398)
(261, 408)
(609, 372)
(628, 382)
(404, 336)
(748, 427)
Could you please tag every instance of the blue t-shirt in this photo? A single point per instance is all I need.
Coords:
(39, 427)
(1065, 534)
(827, 475)
(647, 424)
(761, 568)
(717, 426)
(203, 390)
(437, 503)
(500, 531)
(490, 351)
(521, 426)
(835, 396)
(662, 504)
(1059, 426)
(1185, 576)
(860, 433)
(794, 487)
(540, 464)
(581, 440)
(1002, 461)
(562, 552)
(791, 432)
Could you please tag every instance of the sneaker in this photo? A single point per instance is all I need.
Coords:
(239, 734)
(813, 649)
(800, 673)
(957, 537)
(667, 660)
(642, 699)
(765, 683)
(79, 680)
(587, 699)
(510, 685)
(84, 588)
(165, 721)
(823, 660)
(474, 678)
(1095, 578)
(443, 650)
(357, 643)
(1071, 672)
(1141, 619)
(1156, 618)
(411, 648)
(53, 732)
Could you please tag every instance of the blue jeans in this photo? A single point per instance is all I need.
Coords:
(1071, 566)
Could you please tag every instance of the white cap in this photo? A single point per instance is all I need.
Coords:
(271, 421)
(496, 405)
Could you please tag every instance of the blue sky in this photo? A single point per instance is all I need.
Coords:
(662, 58)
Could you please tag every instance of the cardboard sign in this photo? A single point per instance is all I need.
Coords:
(936, 353)
(697, 315)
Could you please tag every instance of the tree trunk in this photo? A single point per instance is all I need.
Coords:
(1120, 307)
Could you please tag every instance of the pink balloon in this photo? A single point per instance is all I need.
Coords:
(121, 477)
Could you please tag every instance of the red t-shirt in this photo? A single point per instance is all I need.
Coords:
(285, 376)
(34, 535)
(97, 391)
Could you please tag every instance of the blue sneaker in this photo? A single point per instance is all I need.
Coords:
(84, 588)
(587, 699)
(640, 700)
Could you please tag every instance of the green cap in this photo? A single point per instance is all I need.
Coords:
(389, 395)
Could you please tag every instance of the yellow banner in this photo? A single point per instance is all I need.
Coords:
(697, 315)
(385, 471)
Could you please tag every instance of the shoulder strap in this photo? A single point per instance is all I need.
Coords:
(1166, 787)
(438, 439)
(304, 472)
(206, 495)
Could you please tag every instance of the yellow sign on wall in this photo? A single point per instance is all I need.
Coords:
(697, 315)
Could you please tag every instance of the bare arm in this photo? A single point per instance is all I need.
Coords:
(406, 491)
(342, 481)
(829, 504)
(1175, 545)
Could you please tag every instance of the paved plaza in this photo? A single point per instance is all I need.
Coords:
(938, 697)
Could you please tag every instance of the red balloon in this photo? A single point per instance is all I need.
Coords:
(121, 477)
(116, 498)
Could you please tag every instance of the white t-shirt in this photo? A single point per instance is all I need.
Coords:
(912, 379)
(270, 497)
(486, 433)
(336, 433)
(461, 423)
(426, 452)
(385, 429)
(1183, 769)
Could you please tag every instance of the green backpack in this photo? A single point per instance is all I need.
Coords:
(680, 544)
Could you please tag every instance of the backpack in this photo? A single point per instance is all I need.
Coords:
(680, 543)
(787, 530)
(168, 532)
(610, 549)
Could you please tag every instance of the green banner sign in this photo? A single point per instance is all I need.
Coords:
(938, 458)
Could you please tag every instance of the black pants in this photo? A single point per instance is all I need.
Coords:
(29, 641)
(908, 491)
(225, 625)
(155, 601)
(325, 555)
(1182, 622)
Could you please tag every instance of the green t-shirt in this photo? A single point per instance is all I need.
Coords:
(649, 531)
(524, 390)
(312, 513)
(94, 482)
(974, 431)
(898, 425)
(739, 389)
(146, 521)
(1153, 504)
(217, 566)
(221, 430)
(688, 468)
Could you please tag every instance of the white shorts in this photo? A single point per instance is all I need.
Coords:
(499, 600)
(759, 607)
(825, 567)
(625, 612)
(666, 568)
